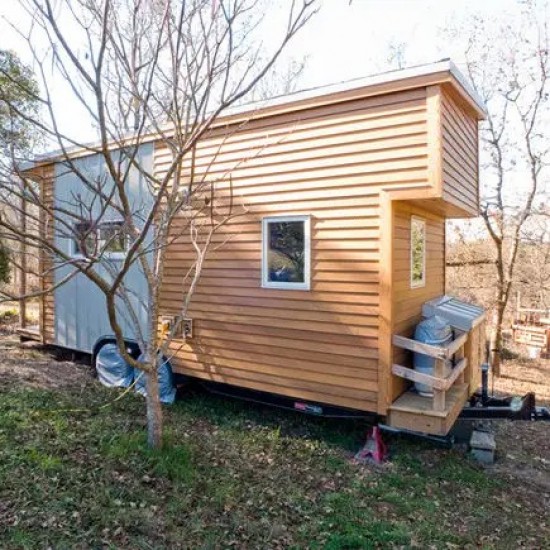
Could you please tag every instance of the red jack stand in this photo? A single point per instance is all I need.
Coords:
(375, 449)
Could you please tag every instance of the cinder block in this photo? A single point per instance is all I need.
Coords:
(483, 456)
(483, 446)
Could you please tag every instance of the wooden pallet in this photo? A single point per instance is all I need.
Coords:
(531, 335)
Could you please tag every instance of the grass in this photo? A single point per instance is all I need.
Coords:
(232, 475)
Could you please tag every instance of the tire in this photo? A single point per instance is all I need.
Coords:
(132, 346)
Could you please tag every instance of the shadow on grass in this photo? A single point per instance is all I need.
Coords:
(236, 414)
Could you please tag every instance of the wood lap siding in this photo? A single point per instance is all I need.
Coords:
(407, 301)
(47, 313)
(329, 162)
(360, 164)
(460, 155)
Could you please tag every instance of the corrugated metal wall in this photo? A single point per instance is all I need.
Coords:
(80, 307)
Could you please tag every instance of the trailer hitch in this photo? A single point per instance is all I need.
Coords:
(541, 413)
(512, 408)
(483, 406)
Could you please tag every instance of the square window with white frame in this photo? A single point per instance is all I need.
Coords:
(418, 252)
(286, 251)
(84, 243)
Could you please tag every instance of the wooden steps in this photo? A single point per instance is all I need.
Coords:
(413, 412)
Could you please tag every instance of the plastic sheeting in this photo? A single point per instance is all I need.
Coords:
(112, 370)
(167, 390)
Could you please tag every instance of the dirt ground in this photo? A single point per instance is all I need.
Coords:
(29, 365)
(524, 447)
(520, 496)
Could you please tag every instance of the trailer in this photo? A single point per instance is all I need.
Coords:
(365, 174)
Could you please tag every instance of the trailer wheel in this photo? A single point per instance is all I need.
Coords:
(132, 347)
(97, 348)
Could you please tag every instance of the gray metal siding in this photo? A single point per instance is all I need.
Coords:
(80, 308)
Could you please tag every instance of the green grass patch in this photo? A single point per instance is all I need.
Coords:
(173, 461)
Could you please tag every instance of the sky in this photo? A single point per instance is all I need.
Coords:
(349, 41)
(343, 41)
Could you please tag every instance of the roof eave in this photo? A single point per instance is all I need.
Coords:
(424, 75)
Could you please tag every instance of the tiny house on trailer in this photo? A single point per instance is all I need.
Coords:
(317, 291)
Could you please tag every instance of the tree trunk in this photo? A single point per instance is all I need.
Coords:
(154, 410)
(496, 338)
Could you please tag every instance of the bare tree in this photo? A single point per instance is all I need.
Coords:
(141, 70)
(533, 279)
(509, 65)
(282, 80)
(397, 54)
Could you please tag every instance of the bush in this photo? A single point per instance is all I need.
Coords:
(8, 315)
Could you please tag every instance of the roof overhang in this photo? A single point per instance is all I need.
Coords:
(441, 72)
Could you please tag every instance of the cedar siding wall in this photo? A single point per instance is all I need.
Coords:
(329, 162)
(47, 306)
(460, 155)
(407, 301)
(345, 164)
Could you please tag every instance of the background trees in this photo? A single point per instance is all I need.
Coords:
(18, 91)
(136, 68)
(508, 62)
(18, 103)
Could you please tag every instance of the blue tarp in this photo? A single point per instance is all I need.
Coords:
(167, 389)
(114, 372)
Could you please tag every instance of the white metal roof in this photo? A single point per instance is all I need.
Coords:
(363, 82)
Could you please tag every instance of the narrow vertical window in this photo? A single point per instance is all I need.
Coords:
(418, 252)
(286, 252)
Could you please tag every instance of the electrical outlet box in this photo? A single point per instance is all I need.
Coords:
(166, 323)
(188, 328)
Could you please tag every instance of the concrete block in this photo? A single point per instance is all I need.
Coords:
(483, 446)
(483, 440)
